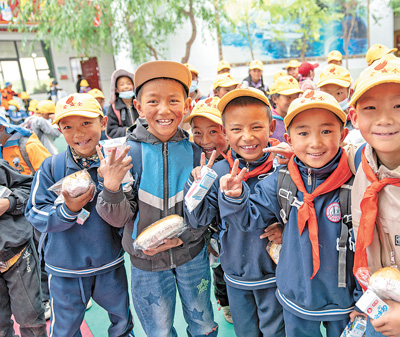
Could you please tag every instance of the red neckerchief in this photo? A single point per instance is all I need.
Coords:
(261, 169)
(369, 211)
(306, 211)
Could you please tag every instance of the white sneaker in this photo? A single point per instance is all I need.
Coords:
(89, 304)
(227, 314)
(47, 310)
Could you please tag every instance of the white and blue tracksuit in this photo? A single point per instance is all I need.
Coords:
(82, 261)
(249, 270)
(303, 299)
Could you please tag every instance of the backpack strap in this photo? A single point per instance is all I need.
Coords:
(286, 193)
(22, 148)
(346, 226)
(58, 166)
(117, 114)
(357, 157)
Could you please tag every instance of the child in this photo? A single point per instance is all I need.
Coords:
(255, 79)
(19, 265)
(376, 216)
(21, 148)
(249, 270)
(223, 67)
(210, 135)
(335, 57)
(313, 287)
(16, 115)
(306, 75)
(121, 113)
(40, 124)
(163, 159)
(83, 258)
(7, 94)
(292, 69)
(99, 96)
(223, 84)
(377, 51)
(84, 87)
(283, 91)
(194, 92)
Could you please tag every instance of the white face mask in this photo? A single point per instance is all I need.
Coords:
(193, 86)
(126, 94)
(344, 104)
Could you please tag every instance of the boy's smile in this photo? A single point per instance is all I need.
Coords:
(248, 130)
(315, 136)
(162, 103)
(378, 118)
(82, 133)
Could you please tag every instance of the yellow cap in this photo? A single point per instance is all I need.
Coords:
(312, 99)
(385, 70)
(84, 105)
(223, 65)
(285, 85)
(84, 83)
(256, 64)
(242, 92)
(191, 68)
(224, 81)
(46, 107)
(279, 74)
(162, 69)
(96, 93)
(334, 74)
(335, 55)
(32, 105)
(293, 64)
(24, 95)
(206, 108)
(376, 52)
(13, 102)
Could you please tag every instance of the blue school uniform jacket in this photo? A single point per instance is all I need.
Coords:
(319, 298)
(70, 249)
(243, 256)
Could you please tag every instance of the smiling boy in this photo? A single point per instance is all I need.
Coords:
(249, 270)
(163, 159)
(84, 259)
(312, 287)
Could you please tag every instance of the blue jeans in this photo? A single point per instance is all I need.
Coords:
(154, 298)
(370, 332)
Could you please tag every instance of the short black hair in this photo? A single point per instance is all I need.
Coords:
(245, 101)
(139, 90)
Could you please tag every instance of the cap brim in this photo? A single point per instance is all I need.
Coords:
(211, 117)
(162, 69)
(288, 92)
(241, 93)
(227, 84)
(256, 67)
(336, 81)
(87, 114)
(362, 88)
(316, 105)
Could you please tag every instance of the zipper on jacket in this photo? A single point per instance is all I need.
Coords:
(248, 166)
(309, 181)
(166, 194)
(392, 251)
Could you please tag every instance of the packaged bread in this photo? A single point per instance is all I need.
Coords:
(74, 184)
(155, 234)
(386, 283)
(274, 251)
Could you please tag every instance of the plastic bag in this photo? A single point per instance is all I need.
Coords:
(74, 184)
(119, 144)
(356, 328)
(199, 189)
(154, 235)
(274, 250)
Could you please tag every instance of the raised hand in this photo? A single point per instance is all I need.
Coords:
(196, 171)
(113, 171)
(283, 151)
(231, 183)
(273, 233)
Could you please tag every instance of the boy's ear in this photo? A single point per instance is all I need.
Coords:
(272, 127)
(138, 108)
(353, 117)
(223, 130)
(187, 105)
(103, 123)
(344, 134)
(288, 140)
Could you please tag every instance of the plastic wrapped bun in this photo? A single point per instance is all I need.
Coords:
(153, 235)
(77, 183)
(386, 283)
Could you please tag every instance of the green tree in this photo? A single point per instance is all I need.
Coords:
(310, 15)
(107, 25)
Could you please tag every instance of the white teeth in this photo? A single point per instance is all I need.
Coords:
(210, 149)
(249, 147)
(164, 121)
(83, 143)
(316, 154)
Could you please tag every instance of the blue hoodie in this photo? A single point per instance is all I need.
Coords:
(243, 256)
(320, 298)
(70, 249)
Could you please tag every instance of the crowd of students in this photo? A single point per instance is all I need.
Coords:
(244, 132)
